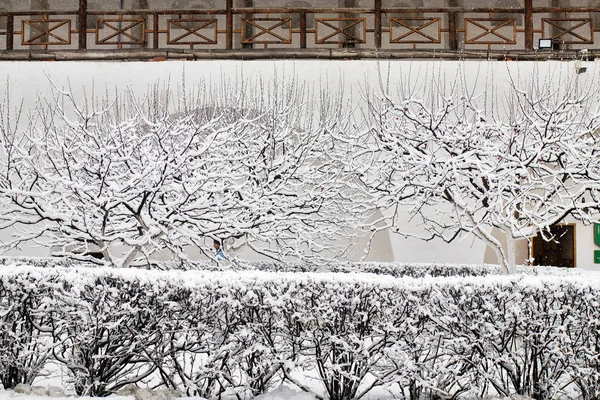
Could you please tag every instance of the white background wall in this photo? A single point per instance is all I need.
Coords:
(585, 246)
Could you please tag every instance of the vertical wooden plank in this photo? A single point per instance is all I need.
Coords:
(528, 24)
(229, 26)
(452, 36)
(377, 24)
(82, 22)
(155, 31)
(247, 28)
(10, 25)
(302, 30)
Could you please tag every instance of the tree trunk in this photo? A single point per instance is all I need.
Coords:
(510, 254)
(496, 245)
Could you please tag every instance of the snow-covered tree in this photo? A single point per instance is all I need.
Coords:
(253, 163)
(461, 160)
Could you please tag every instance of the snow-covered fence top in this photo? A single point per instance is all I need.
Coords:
(83, 275)
(416, 270)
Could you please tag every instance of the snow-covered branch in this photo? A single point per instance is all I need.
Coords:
(126, 178)
(458, 163)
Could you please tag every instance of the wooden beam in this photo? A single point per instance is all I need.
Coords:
(258, 54)
(248, 29)
(377, 34)
(452, 37)
(279, 10)
(229, 25)
(155, 31)
(303, 30)
(528, 24)
(10, 31)
(82, 24)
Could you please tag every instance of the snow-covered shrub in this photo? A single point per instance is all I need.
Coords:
(194, 352)
(24, 350)
(257, 342)
(240, 333)
(105, 332)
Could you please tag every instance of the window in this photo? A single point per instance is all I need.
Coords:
(557, 252)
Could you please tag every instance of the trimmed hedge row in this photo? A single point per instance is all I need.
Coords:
(239, 334)
(415, 270)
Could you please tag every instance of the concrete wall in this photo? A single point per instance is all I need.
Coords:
(585, 246)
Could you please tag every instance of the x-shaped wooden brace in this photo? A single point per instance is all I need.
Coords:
(342, 30)
(42, 31)
(192, 31)
(121, 31)
(417, 30)
(491, 30)
(267, 30)
(565, 31)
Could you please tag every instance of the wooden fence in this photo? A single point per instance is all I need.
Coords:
(303, 30)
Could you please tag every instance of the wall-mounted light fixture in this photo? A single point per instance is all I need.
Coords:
(545, 44)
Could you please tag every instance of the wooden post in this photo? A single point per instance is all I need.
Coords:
(229, 26)
(452, 38)
(155, 31)
(10, 24)
(377, 37)
(82, 24)
(139, 30)
(248, 29)
(302, 30)
(528, 25)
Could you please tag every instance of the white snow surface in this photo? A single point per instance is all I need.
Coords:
(281, 393)
(80, 276)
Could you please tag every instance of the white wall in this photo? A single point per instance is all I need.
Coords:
(585, 246)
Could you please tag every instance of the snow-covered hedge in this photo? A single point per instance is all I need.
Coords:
(415, 270)
(44, 261)
(241, 332)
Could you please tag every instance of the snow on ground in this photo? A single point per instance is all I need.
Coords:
(282, 393)
(285, 393)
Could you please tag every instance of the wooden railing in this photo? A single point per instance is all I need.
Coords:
(373, 29)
